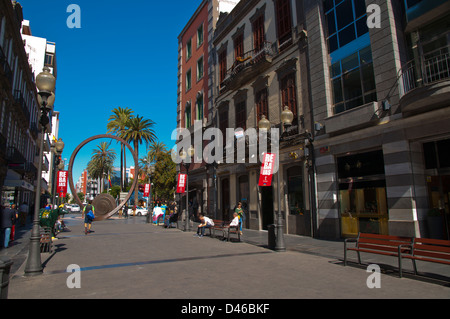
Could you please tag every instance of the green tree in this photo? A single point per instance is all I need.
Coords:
(117, 124)
(101, 163)
(138, 131)
(164, 179)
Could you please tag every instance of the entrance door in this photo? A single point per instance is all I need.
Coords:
(225, 205)
(266, 206)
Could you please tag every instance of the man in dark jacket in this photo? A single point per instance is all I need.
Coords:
(7, 220)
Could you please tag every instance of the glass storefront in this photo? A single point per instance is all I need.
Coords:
(362, 194)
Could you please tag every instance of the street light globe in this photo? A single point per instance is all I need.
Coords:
(264, 123)
(183, 155)
(59, 145)
(287, 116)
(191, 151)
(45, 81)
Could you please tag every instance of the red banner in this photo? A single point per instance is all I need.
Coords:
(146, 190)
(265, 176)
(181, 186)
(61, 187)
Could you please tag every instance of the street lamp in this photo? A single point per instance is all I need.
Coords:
(150, 172)
(184, 156)
(57, 148)
(45, 83)
(286, 118)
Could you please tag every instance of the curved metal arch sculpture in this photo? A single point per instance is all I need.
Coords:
(72, 160)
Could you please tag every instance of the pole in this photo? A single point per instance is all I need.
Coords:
(187, 226)
(34, 265)
(280, 246)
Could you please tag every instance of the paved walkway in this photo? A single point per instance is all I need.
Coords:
(132, 259)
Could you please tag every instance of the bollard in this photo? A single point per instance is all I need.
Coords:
(271, 236)
(5, 268)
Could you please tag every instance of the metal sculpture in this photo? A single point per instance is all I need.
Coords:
(99, 214)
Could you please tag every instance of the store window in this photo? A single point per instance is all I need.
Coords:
(295, 190)
(362, 194)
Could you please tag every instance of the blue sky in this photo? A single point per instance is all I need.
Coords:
(124, 54)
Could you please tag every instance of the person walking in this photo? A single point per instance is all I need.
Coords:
(240, 211)
(7, 220)
(23, 213)
(89, 216)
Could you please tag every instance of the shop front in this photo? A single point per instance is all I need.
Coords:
(362, 194)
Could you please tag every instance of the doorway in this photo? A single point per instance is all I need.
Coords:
(267, 206)
(225, 199)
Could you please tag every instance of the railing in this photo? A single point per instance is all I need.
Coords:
(248, 59)
(433, 67)
(5, 65)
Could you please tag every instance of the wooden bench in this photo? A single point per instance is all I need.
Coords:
(46, 243)
(218, 225)
(379, 244)
(233, 230)
(424, 249)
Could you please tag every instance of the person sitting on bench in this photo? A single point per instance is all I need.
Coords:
(206, 222)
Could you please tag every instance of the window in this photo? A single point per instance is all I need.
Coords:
(284, 24)
(288, 93)
(295, 190)
(187, 115)
(48, 59)
(199, 106)
(222, 65)
(223, 124)
(353, 81)
(362, 194)
(188, 80)
(346, 21)
(258, 33)
(261, 104)
(239, 46)
(188, 49)
(241, 115)
(200, 36)
(200, 68)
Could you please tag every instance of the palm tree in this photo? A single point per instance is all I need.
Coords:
(101, 163)
(117, 124)
(154, 150)
(139, 130)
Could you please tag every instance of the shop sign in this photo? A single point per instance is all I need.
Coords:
(147, 190)
(62, 183)
(265, 176)
(181, 186)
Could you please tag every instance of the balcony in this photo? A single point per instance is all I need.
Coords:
(246, 67)
(425, 84)
(20, 102)
(7, 72)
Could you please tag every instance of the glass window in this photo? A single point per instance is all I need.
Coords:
(295, 190)
(188, 49)
(200, 107)
(187, 115)
(200, 36)
(200, 68)
(188, 80)
(345, 22)
(353, 81)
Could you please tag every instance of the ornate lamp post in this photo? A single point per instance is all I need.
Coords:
(264, 125)
(58, 148)
(45, 82)
(187, 163)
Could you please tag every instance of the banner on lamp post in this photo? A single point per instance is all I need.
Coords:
(147, 190)
(181, 186)
(265, 176)
(61, 187)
